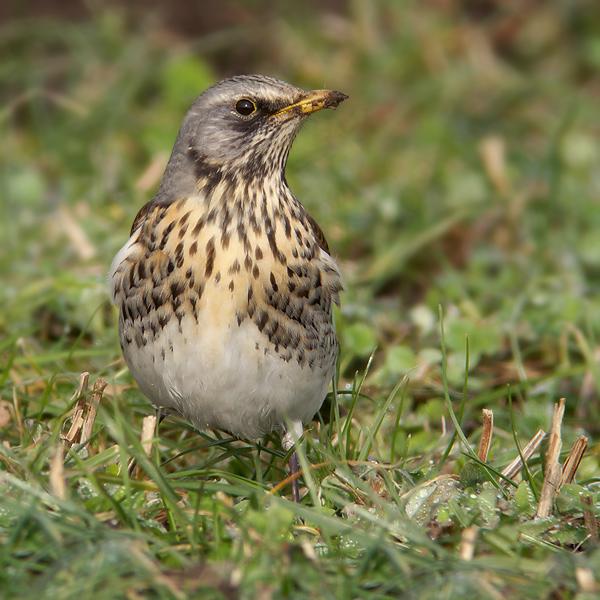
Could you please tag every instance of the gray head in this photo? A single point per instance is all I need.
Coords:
(244, 125)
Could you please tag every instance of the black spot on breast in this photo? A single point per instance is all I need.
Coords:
(274, 249)
(225, 237)
(141, 269)
(262, 318)
(177, 288)
(235, 267)
(198, 227)
(157, 298)
(212, 215)
(166, 234)
(210, 257)
(193, 303)
(254, 224)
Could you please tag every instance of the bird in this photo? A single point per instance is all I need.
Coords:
(225, 288)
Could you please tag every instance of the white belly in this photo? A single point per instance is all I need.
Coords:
(223, 377)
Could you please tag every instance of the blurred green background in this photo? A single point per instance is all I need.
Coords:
(464, 172)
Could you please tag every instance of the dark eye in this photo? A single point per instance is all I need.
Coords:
(245, 107)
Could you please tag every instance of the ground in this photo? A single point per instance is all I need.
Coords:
(459, 189)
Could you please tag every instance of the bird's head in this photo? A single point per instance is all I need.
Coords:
(246, 124)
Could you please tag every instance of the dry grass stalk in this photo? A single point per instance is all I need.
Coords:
(5, 416)
(553, 471)
(487, 431)
(84, 413)
(467, 542)
(75, 233)
(96, 397)
(573, 460)
(148, 428)
(513, 469)
(146, 437)
(57, 473)
(591, 524)
(493, 154)
(80, 397)
(17, 411)
(585, 580)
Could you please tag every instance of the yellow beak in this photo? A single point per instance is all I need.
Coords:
(312, 102)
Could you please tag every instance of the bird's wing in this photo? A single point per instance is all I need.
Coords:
(142, 214)
(318, 233)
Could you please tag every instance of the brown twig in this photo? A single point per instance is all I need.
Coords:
(487, 431)
(553, 472)
(313, 467)
(573, 460)
(513, 468)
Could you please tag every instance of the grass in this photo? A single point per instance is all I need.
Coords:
(462, 174)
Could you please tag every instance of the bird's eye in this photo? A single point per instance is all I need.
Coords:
(245, 107)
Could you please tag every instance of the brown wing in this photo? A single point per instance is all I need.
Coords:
(318, 233)
(141, 215)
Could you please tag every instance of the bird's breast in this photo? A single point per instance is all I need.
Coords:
(227, 264)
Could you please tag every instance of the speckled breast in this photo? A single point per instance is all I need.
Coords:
(226, 311)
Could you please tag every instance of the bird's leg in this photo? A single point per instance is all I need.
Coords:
(294, 468)
(288, 441)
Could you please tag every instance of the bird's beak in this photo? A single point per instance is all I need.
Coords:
(312, 102)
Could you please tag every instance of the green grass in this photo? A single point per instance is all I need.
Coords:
(463, 173)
